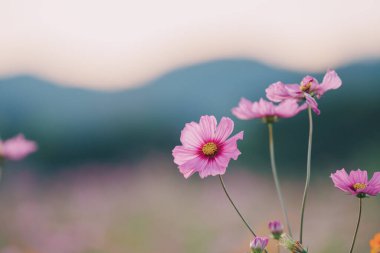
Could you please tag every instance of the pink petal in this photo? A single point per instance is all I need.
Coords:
(294, 90)
(190, 167)
(191, 136)
(265, 108)
(230, 146)
(208, 126)
(17, 147)
(182, 154)
(331, 81)
(312, 80)
(312, 103)
(375, 180)
(288, 108)
(212, 169)
(372, 191)
(341, 180)
(222, 161)
(224, 129)
(358, 176)
(277, 92)
(243, 111)
(257, 110)
(374, 185)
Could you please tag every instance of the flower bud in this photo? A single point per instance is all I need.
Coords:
(289, 243)
(276, 229)
(258, 244)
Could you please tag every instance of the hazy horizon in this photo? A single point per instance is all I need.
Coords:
(120, 44)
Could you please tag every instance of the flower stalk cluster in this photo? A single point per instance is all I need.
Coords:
(207, 149)
(293, 246)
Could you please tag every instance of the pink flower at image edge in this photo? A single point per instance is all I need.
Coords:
(206, 148)
(17, 148)
(357, 183)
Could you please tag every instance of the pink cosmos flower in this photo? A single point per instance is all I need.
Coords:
(308, 90)
(17, 148)
(356, 183)
(206, 148)
(258, 244)
(266, 110)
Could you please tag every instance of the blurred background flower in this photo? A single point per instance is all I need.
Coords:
(105, 87)
(375, 243)
(17, 148)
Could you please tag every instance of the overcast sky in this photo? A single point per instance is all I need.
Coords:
(110, 44)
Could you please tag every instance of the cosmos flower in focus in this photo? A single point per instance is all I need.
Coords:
(268, 111)
(17, 148)
(357, 183)
(258, 244)
(206, 148)
(307, 90)
(375, 244)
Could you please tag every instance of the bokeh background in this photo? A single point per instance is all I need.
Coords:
(105, 88)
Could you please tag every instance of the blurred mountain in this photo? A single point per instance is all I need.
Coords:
(75, 125)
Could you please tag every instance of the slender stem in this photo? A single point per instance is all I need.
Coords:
(1, 169)
(275, 177)
(308, 170)
(2, 160)
(357, 225)
(233, 204)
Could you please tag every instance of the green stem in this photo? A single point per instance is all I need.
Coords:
(233, 204)
(275, 177)
(1, 169)
(308, 171)
(357, 225)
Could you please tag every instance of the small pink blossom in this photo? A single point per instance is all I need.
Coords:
(264, 109)
(308, 90)
(17, 148)
(258, 244)
(206, 148)
(356, 183)
(275, 227)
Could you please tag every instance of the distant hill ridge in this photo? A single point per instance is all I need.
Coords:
(75, 125)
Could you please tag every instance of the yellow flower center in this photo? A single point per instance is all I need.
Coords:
(210, 149)
(359, 186)
(305, 87)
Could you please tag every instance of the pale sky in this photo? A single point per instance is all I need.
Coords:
(112, 44)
